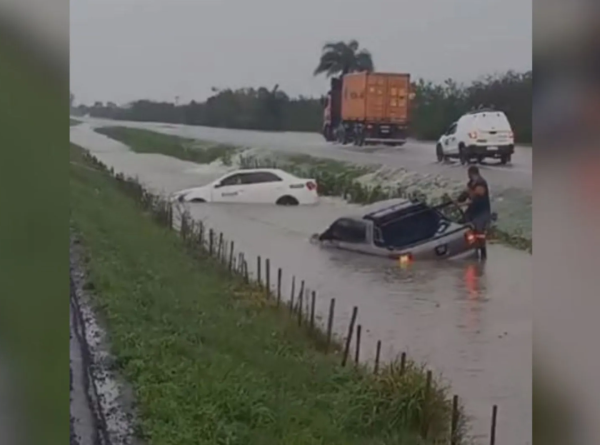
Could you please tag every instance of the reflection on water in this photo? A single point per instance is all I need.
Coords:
(467, 320)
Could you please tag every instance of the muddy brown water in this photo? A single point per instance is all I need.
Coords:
(472, 323)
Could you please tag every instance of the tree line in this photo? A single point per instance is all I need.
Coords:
(434, 106)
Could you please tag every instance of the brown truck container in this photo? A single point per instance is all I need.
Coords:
(375, 98)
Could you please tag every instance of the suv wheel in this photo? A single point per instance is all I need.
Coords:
(439, 152)
(505, 159)
(462, 155)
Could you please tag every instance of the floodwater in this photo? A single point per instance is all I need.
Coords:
(471, 323)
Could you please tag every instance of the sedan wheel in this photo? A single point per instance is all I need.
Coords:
(287, 201)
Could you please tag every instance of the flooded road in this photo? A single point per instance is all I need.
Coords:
(470, 323)
(415, 155)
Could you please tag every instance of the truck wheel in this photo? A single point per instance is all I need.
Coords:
(439, 152)
(360, 139)
(344, 138)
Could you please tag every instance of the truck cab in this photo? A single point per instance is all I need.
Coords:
(327, 130)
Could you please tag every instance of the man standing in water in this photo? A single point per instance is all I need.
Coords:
(479, 209)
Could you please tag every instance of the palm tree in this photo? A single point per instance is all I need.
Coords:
(343, 58)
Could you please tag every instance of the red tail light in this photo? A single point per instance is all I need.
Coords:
(405, 259)
(470, 237)
(311, 186)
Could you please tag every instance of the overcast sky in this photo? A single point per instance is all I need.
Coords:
(122, 50)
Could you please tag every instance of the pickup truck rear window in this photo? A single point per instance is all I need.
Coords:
(410, 229)
(348, 230)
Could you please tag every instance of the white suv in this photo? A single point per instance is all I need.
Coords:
(477, 135)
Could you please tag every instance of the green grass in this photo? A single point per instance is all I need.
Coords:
(145, 141)
(211, 366)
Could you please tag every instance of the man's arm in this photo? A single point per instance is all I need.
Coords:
(463, 196)
(479, 190)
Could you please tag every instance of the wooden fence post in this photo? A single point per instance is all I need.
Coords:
(377, 357)
(330, 324)
(357, 351)
(258, 270)
(293, 294)
(312, 309)
(349, 337)
(231, 247)
(268, 277)
(279, 272)
(454, 424)
(493, 427)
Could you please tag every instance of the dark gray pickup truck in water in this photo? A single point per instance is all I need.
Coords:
(404, 230)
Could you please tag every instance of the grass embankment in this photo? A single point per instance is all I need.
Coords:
(145, 141)
(208, 364)
(73, 122)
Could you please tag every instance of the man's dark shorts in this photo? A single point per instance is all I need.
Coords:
(481, 223)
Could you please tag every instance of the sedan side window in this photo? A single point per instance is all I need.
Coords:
(260, 178)
(231, 180)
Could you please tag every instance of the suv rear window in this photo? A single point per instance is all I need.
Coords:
(492, 120)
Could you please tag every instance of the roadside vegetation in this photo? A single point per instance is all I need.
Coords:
(212, 360)
(355, 184)
(145, 141)
(73, 122)
(434, 108)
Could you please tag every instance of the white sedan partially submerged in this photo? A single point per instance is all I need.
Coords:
(254, 186)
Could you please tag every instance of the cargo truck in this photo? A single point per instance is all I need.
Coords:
(367, 108)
